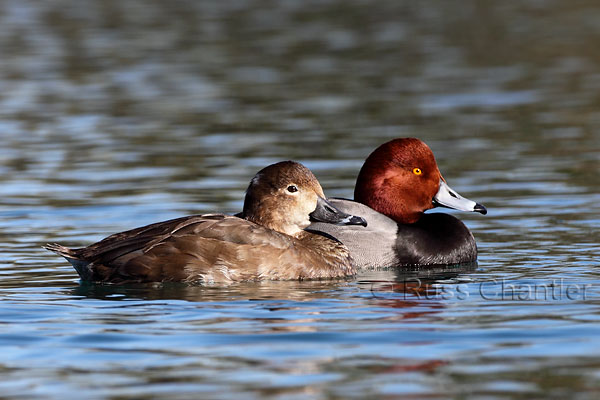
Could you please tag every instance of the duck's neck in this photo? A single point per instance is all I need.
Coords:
(330, 251)
(398, 211)
(277, 221)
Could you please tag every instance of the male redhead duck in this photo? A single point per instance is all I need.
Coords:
(267, 241)
(396, 184)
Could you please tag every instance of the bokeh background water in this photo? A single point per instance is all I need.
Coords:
(114, 114)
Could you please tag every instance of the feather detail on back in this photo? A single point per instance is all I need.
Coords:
(210, 248)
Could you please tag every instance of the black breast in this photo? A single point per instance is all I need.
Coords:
(436, 238)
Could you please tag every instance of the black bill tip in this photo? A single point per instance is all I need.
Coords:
(480, 209)
(354, 220)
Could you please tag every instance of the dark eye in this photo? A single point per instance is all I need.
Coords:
(292, 189)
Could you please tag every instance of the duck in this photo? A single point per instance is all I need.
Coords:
(266, 241)
(397, 183)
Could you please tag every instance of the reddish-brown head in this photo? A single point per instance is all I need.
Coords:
(399, 179)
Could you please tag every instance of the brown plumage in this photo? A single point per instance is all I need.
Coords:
(267, 241)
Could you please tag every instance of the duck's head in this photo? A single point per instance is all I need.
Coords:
(286, 197)
(401, 179)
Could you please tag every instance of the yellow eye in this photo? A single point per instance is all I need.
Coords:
(417, 171)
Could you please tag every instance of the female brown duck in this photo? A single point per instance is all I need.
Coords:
(266, 241)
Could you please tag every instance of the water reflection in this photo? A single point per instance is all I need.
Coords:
(413, 283)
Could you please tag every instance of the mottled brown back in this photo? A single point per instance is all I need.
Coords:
(209, 248)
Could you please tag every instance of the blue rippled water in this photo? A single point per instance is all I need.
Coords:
(118, 114)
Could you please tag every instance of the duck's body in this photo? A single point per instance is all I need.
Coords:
(397, 183)
(435, 239)
(210, 248)
(268, 243)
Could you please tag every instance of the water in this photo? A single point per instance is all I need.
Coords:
(118, 114)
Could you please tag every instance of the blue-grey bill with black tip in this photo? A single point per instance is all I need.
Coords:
(446, 197)
(327, 212)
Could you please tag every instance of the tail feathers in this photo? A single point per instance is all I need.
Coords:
(81, 266)
(60, 250)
